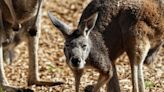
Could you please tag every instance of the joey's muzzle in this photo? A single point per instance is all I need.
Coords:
(77, 63)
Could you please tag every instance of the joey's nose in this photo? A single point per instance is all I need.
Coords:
(75, 62)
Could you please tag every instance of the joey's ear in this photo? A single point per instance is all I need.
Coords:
(89, 23)
(64, 28)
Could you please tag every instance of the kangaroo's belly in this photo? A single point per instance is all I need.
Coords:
(24, 10)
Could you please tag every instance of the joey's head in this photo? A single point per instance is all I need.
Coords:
(77, 44)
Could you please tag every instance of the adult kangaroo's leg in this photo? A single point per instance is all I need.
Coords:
(33, 77)
(113, 85)
(137, 52)
(33, 60)
(16, 26)
(3, 80)
(33, 42)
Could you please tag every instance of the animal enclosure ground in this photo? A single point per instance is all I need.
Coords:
(52, 66)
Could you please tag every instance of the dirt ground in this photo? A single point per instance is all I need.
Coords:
(52, 66)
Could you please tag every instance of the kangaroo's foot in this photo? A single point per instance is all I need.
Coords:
(43, 83)
(7, 88)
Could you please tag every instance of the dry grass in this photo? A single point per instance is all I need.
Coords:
(52, 66)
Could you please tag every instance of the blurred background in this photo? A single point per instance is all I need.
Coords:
(52, 66)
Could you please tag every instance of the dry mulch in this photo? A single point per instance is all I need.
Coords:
(52, 66)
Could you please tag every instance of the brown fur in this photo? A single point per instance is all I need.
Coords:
(124, 26)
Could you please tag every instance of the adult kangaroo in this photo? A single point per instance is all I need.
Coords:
(106, 30)
(19, 20)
